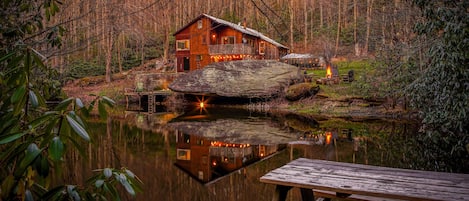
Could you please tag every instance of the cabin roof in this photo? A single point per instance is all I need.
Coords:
(237, 27)
(298, 56)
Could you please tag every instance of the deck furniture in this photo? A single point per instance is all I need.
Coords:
(331, 179)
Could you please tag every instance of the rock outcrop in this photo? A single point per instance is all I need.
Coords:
(255, 132)
(301, 90)
(242, 79)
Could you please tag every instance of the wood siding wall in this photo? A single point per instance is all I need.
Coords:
(212, 34)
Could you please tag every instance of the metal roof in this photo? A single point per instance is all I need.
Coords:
(237, 27)
(298, 56)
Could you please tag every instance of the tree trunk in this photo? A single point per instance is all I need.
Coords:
(321, 14)
(306, 25)
(338, 31)
(110, 42)
(291, 26)
(355, 37)
(369, 9)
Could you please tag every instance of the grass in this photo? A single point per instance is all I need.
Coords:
(338, 95)
(343, 90)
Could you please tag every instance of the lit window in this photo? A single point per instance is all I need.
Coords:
(198, 58)
(262, 48)
(184, 154)
(228, 40)
(182, 45)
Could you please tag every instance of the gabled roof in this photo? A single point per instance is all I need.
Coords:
(237, 27)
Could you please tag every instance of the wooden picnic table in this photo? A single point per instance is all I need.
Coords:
(365, 182)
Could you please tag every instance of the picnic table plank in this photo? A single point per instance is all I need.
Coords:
(369, 180)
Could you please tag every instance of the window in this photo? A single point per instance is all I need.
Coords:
(187, 138)
(184, 154)
(199, 24)
(198, 57)
(262, 48)
(228, 40)
(182, 45)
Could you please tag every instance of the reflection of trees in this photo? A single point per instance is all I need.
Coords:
(151, 156)
(391, 144)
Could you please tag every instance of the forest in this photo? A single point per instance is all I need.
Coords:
(120, 34)
(419, 50)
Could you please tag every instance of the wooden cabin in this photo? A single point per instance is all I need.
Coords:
(208, 39)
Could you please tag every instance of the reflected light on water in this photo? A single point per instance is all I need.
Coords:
(328, 137)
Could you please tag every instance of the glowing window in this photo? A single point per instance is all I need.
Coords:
(184, 154)
(262, 48)
(228, 40)
(182, 45)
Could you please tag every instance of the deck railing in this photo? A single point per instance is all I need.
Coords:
(231, 49)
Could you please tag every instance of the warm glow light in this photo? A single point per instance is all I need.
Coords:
(201, 105)
(328, 72)
(328, 137)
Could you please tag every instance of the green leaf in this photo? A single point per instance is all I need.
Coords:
(78, 128)
(112, 191)
(76, 144)
(42, 119)
(107, 172)
(55, 192)
(77, 118)
(33, 98)
(123, 180)
(38, 60)
(8, 183)
(99, 183)
(28, 196)
(18, 94)
(32, 153)
(64, 104)
(12, 137)
(43, 170)
(108, 101)
(130, 173)
(56, 149)
(79, 103)
(102, 110)
(7, 56)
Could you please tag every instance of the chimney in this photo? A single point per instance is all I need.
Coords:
(244, 23)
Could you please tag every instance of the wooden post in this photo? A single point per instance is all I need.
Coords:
(281, 193)
(307, 194)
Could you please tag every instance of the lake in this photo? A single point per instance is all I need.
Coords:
(220, 153)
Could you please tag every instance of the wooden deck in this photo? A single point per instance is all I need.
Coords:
(336, 179)
(151, 96)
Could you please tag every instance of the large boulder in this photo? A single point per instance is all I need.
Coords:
(242, 79)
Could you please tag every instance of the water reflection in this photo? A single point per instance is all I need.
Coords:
(213, 144)
(207, 160)
(220, 154)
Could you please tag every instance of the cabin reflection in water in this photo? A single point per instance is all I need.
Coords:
(207, 160)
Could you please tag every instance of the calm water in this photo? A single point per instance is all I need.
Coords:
(219, 154)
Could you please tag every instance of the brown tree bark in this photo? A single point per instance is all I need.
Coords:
(369, 10)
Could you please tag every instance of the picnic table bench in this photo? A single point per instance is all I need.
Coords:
(329, 179)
